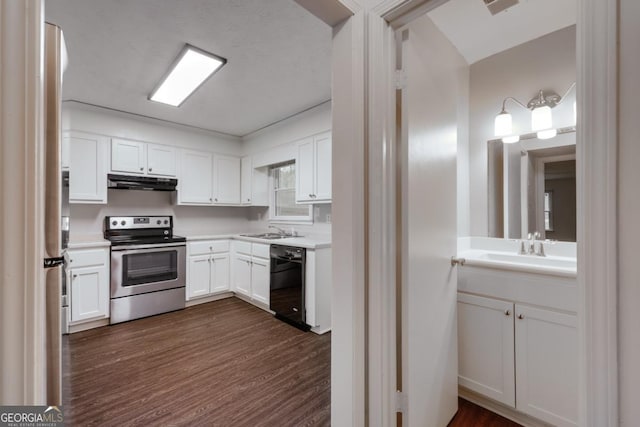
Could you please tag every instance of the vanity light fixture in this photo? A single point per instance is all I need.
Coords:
(541, 116)
(189, 71)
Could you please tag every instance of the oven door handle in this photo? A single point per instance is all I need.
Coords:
(147, 248)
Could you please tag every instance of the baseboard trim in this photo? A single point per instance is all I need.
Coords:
(500, 409)
(79, 327)
(211, 298)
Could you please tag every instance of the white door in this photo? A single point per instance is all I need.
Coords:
(246, 179)
(305, 171)
(260, 280)
(89, 293)
(128, 156)
(196, 178)
(242, 274)
(161, 160)
(547, 365)
(486, 347)
(220, 272)
(227, 180)
(199, 281)
(323, 167)
(429, 224)
(87, 168)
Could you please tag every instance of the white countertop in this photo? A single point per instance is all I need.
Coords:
(317, 241)
(86, 241)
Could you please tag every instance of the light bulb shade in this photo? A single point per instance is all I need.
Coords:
(547, 134)
(512, 139)
(503, 124)
(541, 118)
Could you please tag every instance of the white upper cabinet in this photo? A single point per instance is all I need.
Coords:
(313, 169)
(196, 178)
(246, 169)
(323, 167)
(142, 158)
(128, 156)
(305, 170)
(161, 160)
(226, 185)
(208, 179)
(88, 165)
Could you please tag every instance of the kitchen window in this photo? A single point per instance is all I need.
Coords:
(282, 204)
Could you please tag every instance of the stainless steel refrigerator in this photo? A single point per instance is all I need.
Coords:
(56, 209)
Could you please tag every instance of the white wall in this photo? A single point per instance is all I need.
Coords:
(545, 63)
(629, 212)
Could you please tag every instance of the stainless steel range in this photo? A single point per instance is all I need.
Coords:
(148, 266)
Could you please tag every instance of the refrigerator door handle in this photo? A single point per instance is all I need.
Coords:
(53, 262)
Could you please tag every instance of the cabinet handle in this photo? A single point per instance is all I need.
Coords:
(310, 195)
(210, 199)
(70, 260)
(216, 199)
(507, 312)
(75, 275)
(248, 200)
(150, 169)
(141, 169)
(520, 316)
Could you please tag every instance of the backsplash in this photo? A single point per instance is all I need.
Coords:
(188, 220)
(88, 219)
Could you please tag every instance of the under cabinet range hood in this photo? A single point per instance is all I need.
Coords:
(148, 183)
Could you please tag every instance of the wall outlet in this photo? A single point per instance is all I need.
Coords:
(328, 219)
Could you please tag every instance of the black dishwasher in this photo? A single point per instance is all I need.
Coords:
(286, 290)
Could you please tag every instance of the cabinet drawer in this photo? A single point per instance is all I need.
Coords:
(208, 246)
(87, 258)
(242, 247)
(260, 250)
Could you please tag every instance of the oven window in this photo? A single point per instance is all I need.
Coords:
(149, 267)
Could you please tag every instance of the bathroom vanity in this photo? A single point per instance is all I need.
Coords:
(518, 331)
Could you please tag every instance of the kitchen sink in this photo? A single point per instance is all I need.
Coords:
(269, 236)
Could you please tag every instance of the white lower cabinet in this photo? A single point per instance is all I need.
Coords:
(260, 280)
(251, 271)
(88, 284)
(547, 365)
(522, 356)
(208, 268)
(485, 347)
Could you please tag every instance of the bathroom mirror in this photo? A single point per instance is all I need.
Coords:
(532, 187)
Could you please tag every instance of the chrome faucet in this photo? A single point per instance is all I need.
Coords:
(280, 230)
(532, 245)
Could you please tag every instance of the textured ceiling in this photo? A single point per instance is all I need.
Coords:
(279, 57)
(477, 34)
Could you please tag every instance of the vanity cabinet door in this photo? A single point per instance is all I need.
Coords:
(547, 365)
(486, 347)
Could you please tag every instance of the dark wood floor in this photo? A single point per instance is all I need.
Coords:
(224, 363)
(471, 415)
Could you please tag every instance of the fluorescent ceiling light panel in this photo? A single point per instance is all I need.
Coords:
(192, 68)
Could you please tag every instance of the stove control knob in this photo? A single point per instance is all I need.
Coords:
(114, 223)
(123, 223)
(166, 221)
(158, 222)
